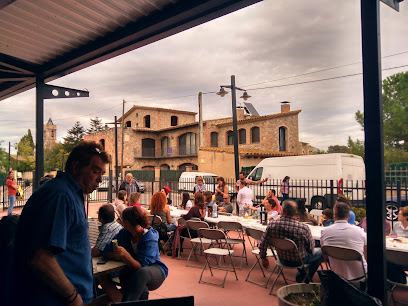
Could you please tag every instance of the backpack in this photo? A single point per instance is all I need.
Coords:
(161, 228)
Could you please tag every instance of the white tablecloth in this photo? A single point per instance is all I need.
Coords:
(254, 223)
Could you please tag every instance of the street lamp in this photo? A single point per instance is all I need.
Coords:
(245, 96)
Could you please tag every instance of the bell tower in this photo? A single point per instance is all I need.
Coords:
(50, 134)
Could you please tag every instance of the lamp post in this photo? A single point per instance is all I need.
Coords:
(245, 96)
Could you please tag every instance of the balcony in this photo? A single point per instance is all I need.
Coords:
(171, 152)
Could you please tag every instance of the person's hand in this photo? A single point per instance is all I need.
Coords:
(121, 252)
(265, 179)
(222, 209)
(265, 263)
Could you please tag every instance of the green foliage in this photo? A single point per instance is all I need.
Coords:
(4, 160)
(25, 153)
(356, 147)
(53, 157)
(395, 114)
(360, 213)
(338, 149)
(74, 136)
(96, 125)
(318, 151)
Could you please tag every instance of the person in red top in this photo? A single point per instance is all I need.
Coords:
(272, 194)
(11, 191)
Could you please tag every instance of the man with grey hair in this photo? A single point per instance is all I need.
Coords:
(288, 227)
(129, 185)
(342, 233)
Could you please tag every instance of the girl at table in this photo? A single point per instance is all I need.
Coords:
(138, 248)
(221, 190)
(185, 201)
(159, 207)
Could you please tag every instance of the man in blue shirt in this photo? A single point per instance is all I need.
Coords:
(53, 264)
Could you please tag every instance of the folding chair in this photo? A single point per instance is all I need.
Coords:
(399, 258)
(93, 230)
(196, 242)
(182, 221)
(317, 214)
(256, 235)
(288, 245)
(345, 254)
(233, 226)
(218, 235)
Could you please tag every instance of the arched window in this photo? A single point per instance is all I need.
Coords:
(174, 121)
(282, 138)
(148, 147)
(147, 121)
(214, 139)
(102, 142)
(188, 144)
(230, 138)
(165, 146)
(255, 134)
(128, 123)
(164, 167)
(242, 136)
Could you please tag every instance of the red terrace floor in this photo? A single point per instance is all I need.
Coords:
(183, 281)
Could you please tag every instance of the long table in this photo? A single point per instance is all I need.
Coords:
(108, 267)
(316, 231)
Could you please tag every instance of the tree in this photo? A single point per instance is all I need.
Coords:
(74, 136)
(53, 157)
(4, 162)
(96, 125)
(338, 149)
(25, 149)
(356, 147)
(395, 116)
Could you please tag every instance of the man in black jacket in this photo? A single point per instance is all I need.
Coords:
(129, 185)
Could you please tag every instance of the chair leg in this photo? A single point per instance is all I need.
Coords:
(232, 263)
(205, 266)
(277, 276)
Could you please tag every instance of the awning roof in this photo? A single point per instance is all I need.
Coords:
(58, 37)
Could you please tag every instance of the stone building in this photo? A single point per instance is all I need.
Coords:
(50, 134)
(169, 139)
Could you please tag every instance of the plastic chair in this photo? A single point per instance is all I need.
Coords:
(316, 213)
(218, 235)
(233, 226)
(256, 235)
(196, 242)
(399, 258)
(345, 254)
(288, 245)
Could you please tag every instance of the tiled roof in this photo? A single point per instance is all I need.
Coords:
(258, 118)
(251, 152)
(134, 107)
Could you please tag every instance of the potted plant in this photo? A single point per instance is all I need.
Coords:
(299, 294)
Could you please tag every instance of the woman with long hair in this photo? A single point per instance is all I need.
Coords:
(303, 215)
(11, 191)
(222, 189)
(137, 246)
(159, 207)
(185, 201)
(284, 190)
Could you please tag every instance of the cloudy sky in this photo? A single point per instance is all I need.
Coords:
(269, 44)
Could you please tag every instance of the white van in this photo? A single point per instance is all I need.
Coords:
(310, 177)
(188, 180)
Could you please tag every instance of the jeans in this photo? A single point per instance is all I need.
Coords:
(141, 281)
(12, 200)
(171, 228)
(314, 260)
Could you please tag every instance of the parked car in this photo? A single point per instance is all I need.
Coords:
(392, 207)
(103, 186)
(141, 187)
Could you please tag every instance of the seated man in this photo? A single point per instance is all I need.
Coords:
(288, 227)
(225, 205)
(108, 230)
(342, 233)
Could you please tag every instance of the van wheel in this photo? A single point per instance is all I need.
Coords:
(319, 203)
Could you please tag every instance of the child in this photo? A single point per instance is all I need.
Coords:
(327, 215)
(134, 199)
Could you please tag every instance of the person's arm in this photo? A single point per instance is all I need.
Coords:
(225, 190)
(126, 258)
(46, 267)
(312, 219)
(122, 186)
(251, 182)
(190, 213)
(168, 215)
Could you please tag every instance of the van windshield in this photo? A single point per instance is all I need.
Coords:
(210, 179)
(256, 175)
